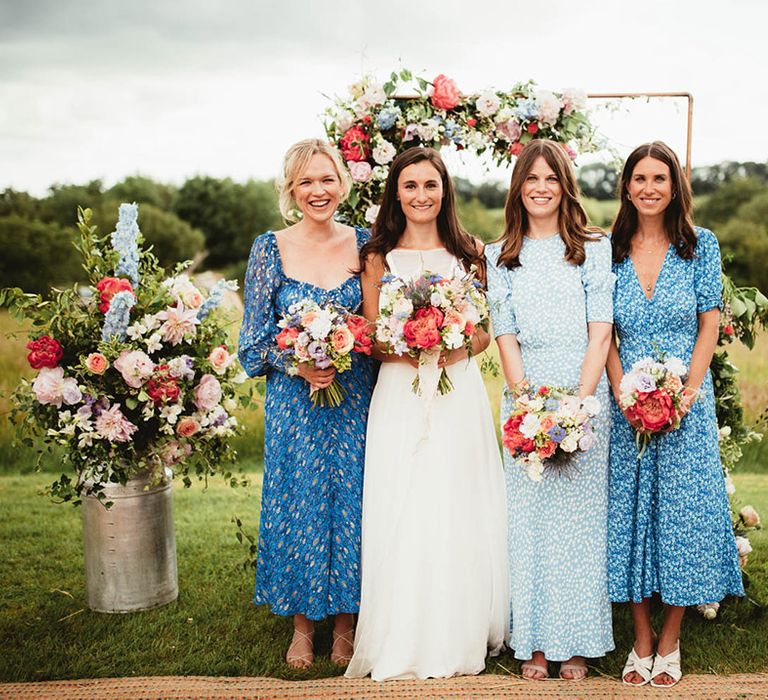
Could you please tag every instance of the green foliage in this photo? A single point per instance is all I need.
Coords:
(36, 255)
(172, 239)
(723, 203)
(708, 178)
(229, 214)
(486, 224)
(20, 203)
(62, 203)
(142, 190)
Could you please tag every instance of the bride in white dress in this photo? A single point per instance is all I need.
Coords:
(435, 591)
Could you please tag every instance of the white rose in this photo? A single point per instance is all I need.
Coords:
(591, 405)
(743, 547)
(371, 213)
(569, 444)
(487, 104)
(730, 487)
(384, 152)
(535, 469)
(454, 338)
(676, 366)
(530, 426)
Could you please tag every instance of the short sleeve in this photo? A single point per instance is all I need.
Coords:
(598, 280)
(257, 347)
(500, 294)
(708, 282)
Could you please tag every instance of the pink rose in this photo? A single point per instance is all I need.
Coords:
(750, 517)
(96, 363)
(220, 359)
(207, 393)
(173, 452)
(445, 95)
(112, 425)
(360, 170)
(187, 426)
(135, 366)
(51, 388)
(342, 340)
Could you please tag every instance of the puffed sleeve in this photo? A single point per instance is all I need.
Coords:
(707, 279)
(598, 280)
(257, 348)
(500, 294)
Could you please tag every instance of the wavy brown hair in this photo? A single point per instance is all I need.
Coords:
(572, 217)
(678, 221)
(390, 222)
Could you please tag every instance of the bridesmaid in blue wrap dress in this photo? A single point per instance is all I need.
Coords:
(308, 562)
(669, 525)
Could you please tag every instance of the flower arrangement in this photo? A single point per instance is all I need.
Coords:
(548, 427)
(651, 394)
(134, 372)
(325, 336)
(428, 315)
(373, 123)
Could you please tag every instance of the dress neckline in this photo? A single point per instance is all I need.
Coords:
(327, 290)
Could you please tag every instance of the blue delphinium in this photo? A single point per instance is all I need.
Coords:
(118, 316)
(453, 132)
(552, 405)
(215, 297)
(527, 110)
(388, 117)
(125, 242)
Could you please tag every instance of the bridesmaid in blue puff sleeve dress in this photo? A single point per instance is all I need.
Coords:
(669, 525)
(550, 288)
(308, 562)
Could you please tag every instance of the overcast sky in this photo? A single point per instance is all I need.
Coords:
(173, 88)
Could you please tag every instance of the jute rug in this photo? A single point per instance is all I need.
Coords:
(487, 686)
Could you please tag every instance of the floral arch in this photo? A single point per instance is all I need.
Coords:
(373, 123)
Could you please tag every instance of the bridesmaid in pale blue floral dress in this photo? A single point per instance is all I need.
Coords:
(309, 537)
(669, 528)
(550, 288)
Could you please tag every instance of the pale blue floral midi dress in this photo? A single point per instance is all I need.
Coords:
(309, 533)
(557, 527)
(669, 526)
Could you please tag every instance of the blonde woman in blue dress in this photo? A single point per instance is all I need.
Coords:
(550, 288)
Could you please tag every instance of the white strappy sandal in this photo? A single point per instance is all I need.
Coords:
(641, 666)
(669, 664)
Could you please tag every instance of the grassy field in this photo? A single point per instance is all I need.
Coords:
(47, 632)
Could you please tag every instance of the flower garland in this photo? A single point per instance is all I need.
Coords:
(372, 124)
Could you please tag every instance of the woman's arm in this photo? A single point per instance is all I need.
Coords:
(703, 350)
(613, 368)
(511, 359)
(595, 357)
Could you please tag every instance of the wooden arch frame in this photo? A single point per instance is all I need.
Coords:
(633, 95)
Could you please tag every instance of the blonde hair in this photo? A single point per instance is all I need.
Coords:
(295, 163)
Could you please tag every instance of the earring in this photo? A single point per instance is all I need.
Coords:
(629, 198)
(674, 194)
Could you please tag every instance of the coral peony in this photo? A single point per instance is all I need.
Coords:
(108, 287)
(445, 94)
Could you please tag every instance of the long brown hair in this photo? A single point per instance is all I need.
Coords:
(572, 217)
(390, 222)
(678, 222)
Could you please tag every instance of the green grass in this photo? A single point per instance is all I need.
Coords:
(46, 631)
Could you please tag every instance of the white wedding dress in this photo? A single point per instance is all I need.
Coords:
(435, 590)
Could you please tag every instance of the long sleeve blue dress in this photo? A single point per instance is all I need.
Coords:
(669, 525)
(309, 534)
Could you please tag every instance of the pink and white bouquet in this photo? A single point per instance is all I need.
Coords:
(548, 428)
(651, 395)
(134, 373)
(325, 336)
(377, 120)
(429, 315)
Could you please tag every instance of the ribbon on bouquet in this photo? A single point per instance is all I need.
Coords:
(428, 377)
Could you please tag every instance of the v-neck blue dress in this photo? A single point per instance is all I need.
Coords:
(309, 534)
(669, 525)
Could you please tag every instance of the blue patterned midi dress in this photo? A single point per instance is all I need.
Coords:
(557, 527)
(669, 525)
(309, 534)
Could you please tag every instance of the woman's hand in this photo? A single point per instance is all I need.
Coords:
(317, 378)
(451, 357)
(687, 399)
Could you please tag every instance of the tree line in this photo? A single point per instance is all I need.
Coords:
(214, 220)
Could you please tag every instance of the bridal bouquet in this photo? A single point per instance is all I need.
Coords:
(547, 428)
(325, 336)
(428, 315)
(651, 394)
(133, 370)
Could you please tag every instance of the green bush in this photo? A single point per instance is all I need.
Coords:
(486, 224)
(37, 255)
(142, 190)
(172, 239)
(723, 203)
